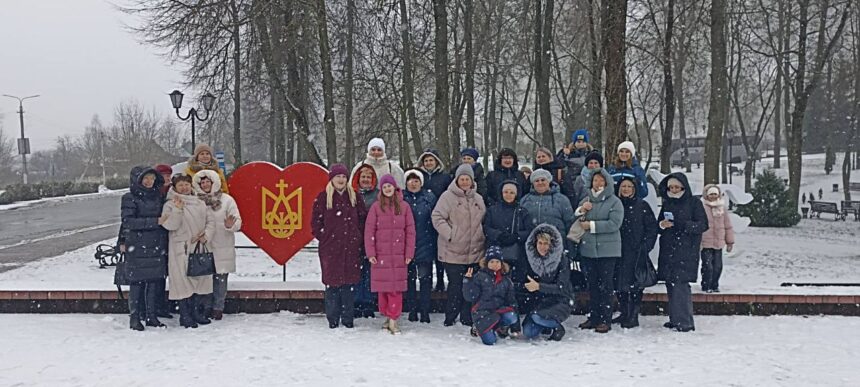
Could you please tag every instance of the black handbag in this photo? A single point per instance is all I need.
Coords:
(645, 274)
(120, 274)
(200, 262)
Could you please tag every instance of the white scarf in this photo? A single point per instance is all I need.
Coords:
(718, 207)
(675, 195)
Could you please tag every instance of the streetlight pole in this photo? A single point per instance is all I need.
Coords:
(23, 142)
(731, 144)
(176, 100)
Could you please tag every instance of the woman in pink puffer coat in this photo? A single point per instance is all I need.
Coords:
(719, 235)
(389, 240)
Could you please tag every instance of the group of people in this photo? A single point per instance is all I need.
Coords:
(166, 217)
(512, 241)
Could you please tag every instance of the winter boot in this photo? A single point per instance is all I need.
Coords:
(633, 311)
(186, 318)
(393, 327)
(151, 300)
(217, 314)
(602, 328)
(669, 325)
(135, 297)
(413, 316)
(557, 333)
(425, 317)
(162, 304)
(197, 310)
(587, 325)
(623, 307)
(387, 323)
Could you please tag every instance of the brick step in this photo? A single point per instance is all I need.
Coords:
(311, 301)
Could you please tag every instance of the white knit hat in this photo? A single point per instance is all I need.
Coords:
(713, 190)
(627, 145)
(376, 142)
(414, 172)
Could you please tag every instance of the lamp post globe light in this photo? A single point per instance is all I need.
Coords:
(208, 101)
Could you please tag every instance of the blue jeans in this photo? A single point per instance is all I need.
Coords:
(505, 320)
(535, 324)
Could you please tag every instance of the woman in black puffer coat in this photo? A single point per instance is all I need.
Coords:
(145, 241)
(507, 224)
(638, 235)
(682, 222)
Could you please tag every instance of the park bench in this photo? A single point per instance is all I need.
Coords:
(850, 207)
(817, 208)
(854, 186)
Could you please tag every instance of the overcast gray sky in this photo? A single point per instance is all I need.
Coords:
(77, 55)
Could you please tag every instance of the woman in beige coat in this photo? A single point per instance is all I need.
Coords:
(225, 214)
(188, 220)
(458, 218)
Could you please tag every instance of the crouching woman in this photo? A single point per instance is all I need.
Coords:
(491, 292)
(546, 286)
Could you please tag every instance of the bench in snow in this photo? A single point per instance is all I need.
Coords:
(850, 207)
(818, 208)
(854, 186)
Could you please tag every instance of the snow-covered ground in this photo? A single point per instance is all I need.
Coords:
(102, 192)
(300, 350)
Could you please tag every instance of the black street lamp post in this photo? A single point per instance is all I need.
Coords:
(207, 99)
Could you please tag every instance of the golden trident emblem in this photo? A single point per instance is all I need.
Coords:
(281, 221)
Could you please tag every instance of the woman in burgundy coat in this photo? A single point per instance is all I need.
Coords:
(389, 240)
(338, 224)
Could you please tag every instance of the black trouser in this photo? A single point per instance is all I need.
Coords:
(440, 273)
(680, 305)
(339, 302)
(712, 268)
(599, 274)
(158, 295)
(457, 305)
(629, 304)
(419, 301)
(142, 299)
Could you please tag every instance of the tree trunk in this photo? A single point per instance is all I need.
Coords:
(469, 95)
(781, 81)
(717, 110)
(669, 90)
(327, 84)
(408, 82)
(543, 49)
(349, 82)
(237, 85)
(802, 90)
(614, 20)
(595, 80)
(440, 69)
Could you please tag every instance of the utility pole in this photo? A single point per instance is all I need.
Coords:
(23, 142)
(102, 146)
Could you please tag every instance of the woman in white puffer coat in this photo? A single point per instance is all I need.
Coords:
(225, 214)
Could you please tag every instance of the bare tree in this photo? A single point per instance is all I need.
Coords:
(719, 93)
(440, 65)
(613, 18)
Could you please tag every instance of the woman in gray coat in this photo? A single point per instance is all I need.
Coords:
(600, 216)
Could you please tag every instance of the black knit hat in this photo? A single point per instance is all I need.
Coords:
(594, 156)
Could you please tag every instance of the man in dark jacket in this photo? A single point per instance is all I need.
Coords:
(574, 153)
(543, 286)
(506, 167)
(422, 202)
(145, 241)
(437, 180)
(682, 221)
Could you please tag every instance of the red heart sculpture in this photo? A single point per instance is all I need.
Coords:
(276, 204)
